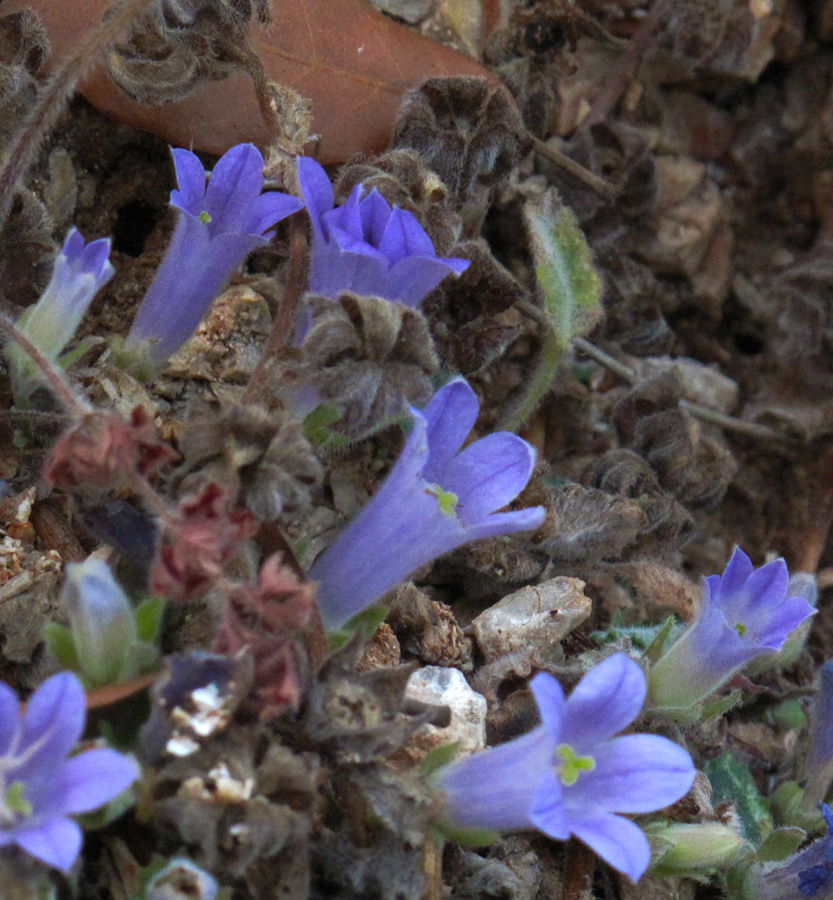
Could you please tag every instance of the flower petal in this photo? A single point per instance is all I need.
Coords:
(376, 213)
(235, 183)
(734, 577)
(635, 773)
(618, 841)
(87, 781)
(9, 716)
(56, 842)
(54, 717)
(488, 474)
(547, 812)
(506, 523)
(404, 236)
(605, 701)
(190, 176)
(549, 697)
(347, 217)
(450, 416)
(316, 190)
(496, 788)
(269, 208)
(411, 278)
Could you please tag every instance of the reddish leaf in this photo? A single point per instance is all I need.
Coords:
(350, 60)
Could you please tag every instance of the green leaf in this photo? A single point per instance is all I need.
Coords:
(721, 705)
(468, 837)
(781, 843)
(365, 622)
(148, 615)
(570, 289)
(318, 428)
(732, 781)
(438, 757)
(61, 644)
(655, 649)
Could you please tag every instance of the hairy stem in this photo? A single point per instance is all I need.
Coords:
(552, 352)
(51, 374)
(56, 93)
(284, 320)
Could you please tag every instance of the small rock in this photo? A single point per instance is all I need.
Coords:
(444, 686)
(529, 623)
(381, 650)
(412, 11)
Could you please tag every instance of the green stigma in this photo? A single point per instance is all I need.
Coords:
(15, 800)
(447, 500)
(740, 628)
(205, 217)
(571, 764)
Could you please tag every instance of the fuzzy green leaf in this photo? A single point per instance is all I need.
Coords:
(570, 290)
(148, 615)
(732, 781)
(438, 757)
(61, 644)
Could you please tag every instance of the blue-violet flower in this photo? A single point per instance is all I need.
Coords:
(745, 613)
(435, 498)
(570, 775)
(80, 271)
(818, 766)
(366, 247)
(217, 228)
(39, 786)
(806, 876)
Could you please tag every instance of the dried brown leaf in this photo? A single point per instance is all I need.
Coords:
(354, 63)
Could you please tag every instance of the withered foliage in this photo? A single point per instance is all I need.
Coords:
(467, 130)
(180, 43)
(368, 357)
(469, 315)
(259, 456)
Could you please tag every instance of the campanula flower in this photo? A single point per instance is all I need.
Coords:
(366, 247)
(217, 227)
(818, 765)
(746, 613)
(40, 788)
(435, 498)
(570, 775)
(806, 876)
(80, 271)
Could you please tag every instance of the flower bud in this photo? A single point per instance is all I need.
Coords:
(101, 621)
(696, 848)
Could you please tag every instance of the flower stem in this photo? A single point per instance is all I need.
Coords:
(56, 93)
(552, 353)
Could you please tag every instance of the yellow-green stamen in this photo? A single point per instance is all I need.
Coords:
(447, 500)
(15, 800)
(572, 764)
(205, 217)
(740, 628)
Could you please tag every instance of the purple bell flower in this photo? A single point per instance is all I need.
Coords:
(818, 766)
(217, 228)
(80, 271)
(746, 613)
(436, 498)
(39, 786)
(570, 775)
(366, 247)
